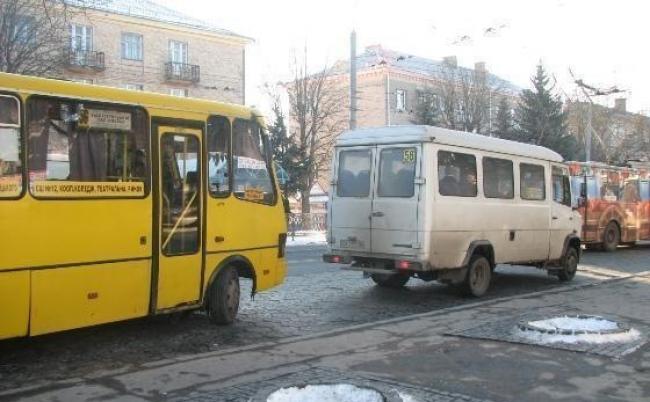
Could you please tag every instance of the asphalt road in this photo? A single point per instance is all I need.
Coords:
(315, 297)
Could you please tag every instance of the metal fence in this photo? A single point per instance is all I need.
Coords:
(307, 222)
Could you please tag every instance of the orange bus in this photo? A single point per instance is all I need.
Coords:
(614, 203)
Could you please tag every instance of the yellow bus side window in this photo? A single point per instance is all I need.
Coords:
(79, 149)
(11, 168)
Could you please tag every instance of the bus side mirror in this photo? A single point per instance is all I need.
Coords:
(583, 190)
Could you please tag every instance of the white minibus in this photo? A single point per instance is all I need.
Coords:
(437, 204)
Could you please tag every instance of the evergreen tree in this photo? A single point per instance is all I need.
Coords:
(504, 125)
(285, 151)
(540, 118)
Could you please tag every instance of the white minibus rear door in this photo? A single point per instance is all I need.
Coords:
(394, 216)
(351, 200)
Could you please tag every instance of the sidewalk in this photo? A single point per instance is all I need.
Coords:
(436, 356)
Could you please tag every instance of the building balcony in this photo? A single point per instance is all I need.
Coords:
(181, 72)
(85, 60)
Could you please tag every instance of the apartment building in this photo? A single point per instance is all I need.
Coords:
(391, 84)
(142, 45)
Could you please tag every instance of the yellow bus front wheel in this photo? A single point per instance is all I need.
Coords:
(223, 297)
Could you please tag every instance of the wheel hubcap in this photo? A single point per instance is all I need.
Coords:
(479, 276)
(572, 265)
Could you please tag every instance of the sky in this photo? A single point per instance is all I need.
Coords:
(602, 42)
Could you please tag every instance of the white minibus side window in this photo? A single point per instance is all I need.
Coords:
(457, 174)
(11, 169)
(354, 174)
(397, 172)
(561, 186)
(498, 178)
(532, 182)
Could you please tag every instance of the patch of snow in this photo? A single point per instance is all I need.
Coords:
(326, 393)
(307, 238)
(593, 324)
(406, 397)
(545, 339)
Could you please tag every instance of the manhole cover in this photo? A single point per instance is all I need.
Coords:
(576, 329)
(326, 393)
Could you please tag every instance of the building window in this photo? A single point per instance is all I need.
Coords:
(23, 28)
(131, 46)
(134, 87)
(400, 100)
(182, 92)
(81, 38)
(178, 52)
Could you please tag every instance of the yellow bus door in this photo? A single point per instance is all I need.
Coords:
(180, 211)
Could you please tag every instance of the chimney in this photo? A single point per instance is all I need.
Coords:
(620, 105)
(450, 61)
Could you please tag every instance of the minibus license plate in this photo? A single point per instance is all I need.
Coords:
(348, 243)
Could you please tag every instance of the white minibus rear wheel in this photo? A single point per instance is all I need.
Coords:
(479, 275)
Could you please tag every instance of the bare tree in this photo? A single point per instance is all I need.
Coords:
(447, 88)
(463, 98)
(33, 34)
(607, 128)
(317, 117)
(475, 100)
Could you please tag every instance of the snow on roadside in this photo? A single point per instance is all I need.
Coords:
(307, 238)
(325, 393)
(544, 339)
(591, 324)
(575, 323)
(406, 397)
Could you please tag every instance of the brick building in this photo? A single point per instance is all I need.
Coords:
(141, 45)
(390, 84)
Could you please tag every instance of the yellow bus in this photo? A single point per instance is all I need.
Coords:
(117, 204)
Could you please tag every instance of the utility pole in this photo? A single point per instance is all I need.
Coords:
(591, 92)
(589, 131)
(353, 80)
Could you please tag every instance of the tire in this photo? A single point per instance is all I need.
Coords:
(611, 237)
(394, 281)
(223, 297)
(479, 275)
(569, 265)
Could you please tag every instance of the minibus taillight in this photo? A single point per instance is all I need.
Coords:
(407, 265)
(282, 245)
(335, 259)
